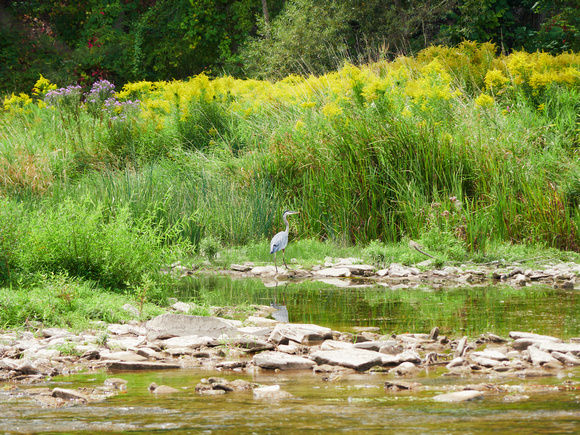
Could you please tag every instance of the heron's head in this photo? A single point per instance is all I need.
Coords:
(288, 212)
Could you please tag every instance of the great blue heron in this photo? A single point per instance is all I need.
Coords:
(280, 240)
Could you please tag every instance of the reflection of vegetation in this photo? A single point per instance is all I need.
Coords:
(461, 311)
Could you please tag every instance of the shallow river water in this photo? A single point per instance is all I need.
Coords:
(351, 403)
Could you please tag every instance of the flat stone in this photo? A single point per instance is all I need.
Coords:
(240, 267)
(298, 332)
(492, 354)
(359, 269)
(188, 341)
(537, 337)
(375, 345)
(261, 322)
(573, 348)
(68, 394)
(265, 270)
(567, 359)
(336, 272)
(55, 332)
(459, 396)
(539, 357)
(455, 362)
(283, 361)
(123, 356)
(179, 325)
(485, 362)
(357, 359)
(258, 331)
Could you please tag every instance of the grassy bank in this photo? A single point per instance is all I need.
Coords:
(458, 148)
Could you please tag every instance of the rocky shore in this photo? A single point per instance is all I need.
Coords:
(344, 272)
(178, 341)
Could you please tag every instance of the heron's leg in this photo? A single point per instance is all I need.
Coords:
(275, 262)
(283, 252)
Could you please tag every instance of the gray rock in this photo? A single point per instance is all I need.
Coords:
(336, 272)
(260, 322)
(241, 267)
(357, 359)
(359, 269)
(376, 345)
(455, 362)
(485, 362)
(131, 310)
(68, 394)
(567, 359)
(459, 396)
(55, 332)
(265, 270)
(26, 368)
(492, 354)
(391, 348)
(188, 342)
(122, 356)
(300, 333)
(573, 348)
(178, 325)
(250, 343)
(282, 361)
(539, 357)
(162, 389)
(182, 307)
(258, 331)
(534, 337)
(406, 369)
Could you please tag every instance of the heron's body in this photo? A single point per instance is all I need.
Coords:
(280, 240)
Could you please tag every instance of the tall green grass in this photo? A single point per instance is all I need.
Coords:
(451, 173)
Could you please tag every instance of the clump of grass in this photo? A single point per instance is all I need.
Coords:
(113, 250)
(64, 301)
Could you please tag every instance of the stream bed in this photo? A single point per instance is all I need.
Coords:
(351, 402)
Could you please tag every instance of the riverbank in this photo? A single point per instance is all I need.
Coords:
(345, 272)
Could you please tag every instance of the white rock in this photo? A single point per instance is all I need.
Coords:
(459, 396)
(272, 392)
(336, 272)
(283, 361)
(178, 325)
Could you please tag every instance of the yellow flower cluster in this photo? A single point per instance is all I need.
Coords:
(17, 103)
(407, 86)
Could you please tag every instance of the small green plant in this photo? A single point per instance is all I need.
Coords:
(68, 348)
(209, 247)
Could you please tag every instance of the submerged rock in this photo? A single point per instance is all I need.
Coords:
(357, 359)
(272, 392)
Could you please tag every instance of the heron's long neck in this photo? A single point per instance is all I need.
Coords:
(287, 224)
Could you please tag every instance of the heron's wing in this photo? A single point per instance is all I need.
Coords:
(279, 241)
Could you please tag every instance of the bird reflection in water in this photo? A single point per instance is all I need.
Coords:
(281, 313)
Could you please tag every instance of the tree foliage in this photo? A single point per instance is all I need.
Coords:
(128, 40)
